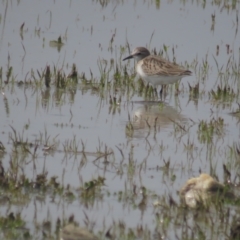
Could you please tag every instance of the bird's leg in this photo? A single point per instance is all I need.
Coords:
(155, 90)
(164, 91)
(147, 87)
(161, 91)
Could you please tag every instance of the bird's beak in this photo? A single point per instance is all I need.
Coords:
(129, 57)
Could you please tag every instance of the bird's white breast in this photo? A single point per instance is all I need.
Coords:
(140, 70)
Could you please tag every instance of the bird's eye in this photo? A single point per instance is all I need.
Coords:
(139, 53)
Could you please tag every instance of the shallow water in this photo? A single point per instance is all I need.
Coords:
(91, 33)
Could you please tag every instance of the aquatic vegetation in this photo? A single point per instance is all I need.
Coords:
(206, 130)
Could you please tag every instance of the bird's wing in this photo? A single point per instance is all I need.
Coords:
(154, 65)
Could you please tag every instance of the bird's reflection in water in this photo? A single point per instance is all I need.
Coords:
(154, 116)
